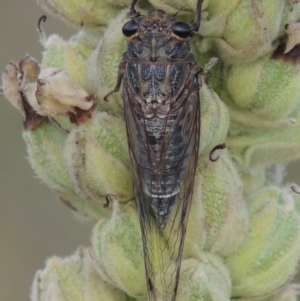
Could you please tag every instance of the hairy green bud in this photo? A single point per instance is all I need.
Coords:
(73, 278)
(267, 259)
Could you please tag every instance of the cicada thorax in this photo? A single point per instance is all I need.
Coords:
(162, 113)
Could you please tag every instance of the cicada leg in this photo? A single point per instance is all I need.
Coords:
(107, 199)
(217, 147)
(294, 189)
(119, 80)
(206, 70)
(58, 125)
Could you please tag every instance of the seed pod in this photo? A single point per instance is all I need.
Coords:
(11, 87)
(55, 93)
(29, 70)
(15, 77)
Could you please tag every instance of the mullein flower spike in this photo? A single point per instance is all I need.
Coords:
(243, 233)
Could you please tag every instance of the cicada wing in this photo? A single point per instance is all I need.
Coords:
(163, 218)
(188, 125)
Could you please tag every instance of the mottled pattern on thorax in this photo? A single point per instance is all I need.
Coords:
(157, 62)
(156, 83)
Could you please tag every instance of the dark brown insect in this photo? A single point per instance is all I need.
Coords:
(162, 113)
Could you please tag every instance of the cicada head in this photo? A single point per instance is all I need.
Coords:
(157, 36)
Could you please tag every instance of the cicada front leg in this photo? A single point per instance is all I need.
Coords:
(119, 80)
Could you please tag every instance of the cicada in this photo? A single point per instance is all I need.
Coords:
(162, 114)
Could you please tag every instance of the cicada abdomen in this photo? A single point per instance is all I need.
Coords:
(162, 113)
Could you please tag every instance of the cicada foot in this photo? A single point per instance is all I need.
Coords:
(217, 147)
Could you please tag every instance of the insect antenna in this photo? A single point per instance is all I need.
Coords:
(107, 199)
(180, 10)
(196, 24)
(219, 146)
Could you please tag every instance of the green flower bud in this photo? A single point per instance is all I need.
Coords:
(103, 65)
(241, 118)
(117, 245)
(291, 12)
(244, 122)
(226, 217)
(70, 56)
(215, 16)
(243, 31)
(296, 196)
(289, 293)
(262, 149)
(196, 227)
(267, 88)
(204, 279)
(214, 119)
(253, 180)
(268, 258)
(96, 154)
(186, 8)
(92, 15)
(73, 278)
(45, 147)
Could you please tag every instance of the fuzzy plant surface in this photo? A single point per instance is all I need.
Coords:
(243, 237)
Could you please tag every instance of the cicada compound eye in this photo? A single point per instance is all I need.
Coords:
(130, 28)
(181, 30)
